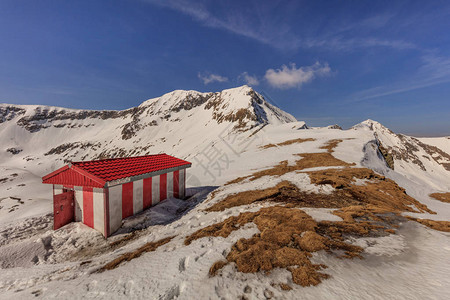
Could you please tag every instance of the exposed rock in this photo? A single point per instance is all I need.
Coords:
(389, 159)
(436, 154)
(10, 112)
(14, 151)
(191, 101)
(71, 146)
(335, 126)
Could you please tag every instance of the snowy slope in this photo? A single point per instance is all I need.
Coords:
(224, 135)
(442, 143)
(413, 157)
(36, 140)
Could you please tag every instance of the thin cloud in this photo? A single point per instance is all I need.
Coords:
(343, 44)
(435, 70)
(209, 78)
(234, 23)
(249, 79)
(262, 27)
(293, 77)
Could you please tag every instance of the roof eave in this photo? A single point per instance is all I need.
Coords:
(54, 173)
(145, 175)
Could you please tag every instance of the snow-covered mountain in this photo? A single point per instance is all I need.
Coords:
(273, 203)
(34, 139)
(174, 119)
(412, 157)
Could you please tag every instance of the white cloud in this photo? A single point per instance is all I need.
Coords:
(208, 78)
(291, 77)
(249, 79)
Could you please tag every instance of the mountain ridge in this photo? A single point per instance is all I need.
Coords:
(248, 158)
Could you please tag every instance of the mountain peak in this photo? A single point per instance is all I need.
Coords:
(370, 125)
(242, 105)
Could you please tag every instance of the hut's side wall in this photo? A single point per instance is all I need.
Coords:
(115, 207)
(130, 198)
(89, 205)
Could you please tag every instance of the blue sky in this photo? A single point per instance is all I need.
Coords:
(325, 62)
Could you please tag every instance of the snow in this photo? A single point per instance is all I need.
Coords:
(36, 260)
(414, 181)
(442, 143)
(322, 214)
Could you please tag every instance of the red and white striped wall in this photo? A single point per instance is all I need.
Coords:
(104, 208)
(133, 197)
(89, 205)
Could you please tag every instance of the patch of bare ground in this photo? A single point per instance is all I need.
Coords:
(287, 238)
(248, 197)
(216, 267)
(368, 203)
(288, 142)
(436, 225)
(237, 180)
(443, 197)
(313, 160)
(378, 191)
(331, 144)
(285, 286)
(309, 160)
(152, 246)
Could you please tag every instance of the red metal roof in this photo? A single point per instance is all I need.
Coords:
(98, 172)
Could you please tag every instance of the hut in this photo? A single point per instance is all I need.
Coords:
(101, 193)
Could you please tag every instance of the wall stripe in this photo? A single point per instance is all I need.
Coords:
(88, 207)
(147, 193)
(162, 187)
(127, 200)
(78, 203)
(106, 214)
(169, 185)
(182, 184)
(155, 190)
(138, 196)
(176, 184)
(115, 207)
(98, 211)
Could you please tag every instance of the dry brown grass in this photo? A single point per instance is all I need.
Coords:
(285, 286)
(134, 254)
(222, 229)
(287, 238)
(237, 180)
(216, 267)
(331, 144)
(378, 191)
(288, 235)
(289, 142)
(436, 225)
(309, 160)
(313, 160)
(443, 197)
(248, 197)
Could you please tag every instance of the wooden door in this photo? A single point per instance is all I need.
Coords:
(63, 209)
